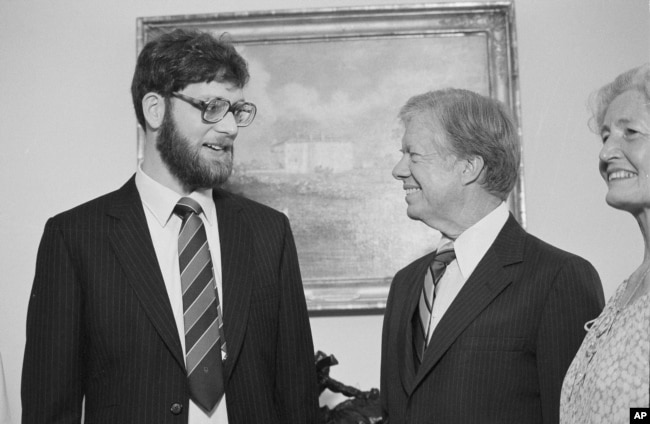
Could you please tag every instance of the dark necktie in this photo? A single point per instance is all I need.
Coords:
(201, 310)
(425, 306)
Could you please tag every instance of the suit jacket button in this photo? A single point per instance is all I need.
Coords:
(176, 408)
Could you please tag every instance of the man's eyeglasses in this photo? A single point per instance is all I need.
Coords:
(216, 109)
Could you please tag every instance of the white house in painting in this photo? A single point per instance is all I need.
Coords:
(306, 153)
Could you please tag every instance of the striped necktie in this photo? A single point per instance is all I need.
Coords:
(201, 310)
(422, 325)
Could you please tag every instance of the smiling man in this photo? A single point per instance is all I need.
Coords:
(171, 300)
(483, 329)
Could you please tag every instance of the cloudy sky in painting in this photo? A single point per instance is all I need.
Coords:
(350, 88)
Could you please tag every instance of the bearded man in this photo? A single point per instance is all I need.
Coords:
(171, 300)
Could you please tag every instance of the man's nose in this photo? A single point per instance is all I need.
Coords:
(401, 169)
(227, 125)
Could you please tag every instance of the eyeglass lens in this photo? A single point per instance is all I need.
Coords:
(217, 109)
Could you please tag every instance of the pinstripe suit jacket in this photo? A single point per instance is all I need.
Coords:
(100, 325)
(501, 350)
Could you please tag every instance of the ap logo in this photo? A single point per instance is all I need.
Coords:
(640, 415)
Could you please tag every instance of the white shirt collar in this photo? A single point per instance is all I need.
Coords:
(473, 243)
(161, 200)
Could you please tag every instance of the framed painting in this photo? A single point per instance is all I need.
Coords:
(328, 84)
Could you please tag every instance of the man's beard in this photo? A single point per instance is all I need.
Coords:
(186, 164)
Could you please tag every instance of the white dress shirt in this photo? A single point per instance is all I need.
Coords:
(164, 226)
(470, 247)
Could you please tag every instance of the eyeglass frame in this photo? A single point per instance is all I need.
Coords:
(203, 106)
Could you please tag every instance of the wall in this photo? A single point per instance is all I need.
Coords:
(68, 134)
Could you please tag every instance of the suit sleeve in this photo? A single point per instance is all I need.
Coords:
(52, 377)
(296, 381)
(575, 298)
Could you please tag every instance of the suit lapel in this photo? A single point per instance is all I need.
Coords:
(236, 272)
(405, 338)
(487, 281)
(134, 249)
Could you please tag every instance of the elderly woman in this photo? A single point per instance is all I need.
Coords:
(610, 373)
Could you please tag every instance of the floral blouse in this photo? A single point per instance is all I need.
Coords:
(611, 371)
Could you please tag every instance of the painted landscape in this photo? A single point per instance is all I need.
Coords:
(327, 136)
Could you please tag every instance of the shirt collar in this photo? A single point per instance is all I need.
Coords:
(473, 243)
(161, 200)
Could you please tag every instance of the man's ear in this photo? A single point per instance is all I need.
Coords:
(472, 169)
(153, 107)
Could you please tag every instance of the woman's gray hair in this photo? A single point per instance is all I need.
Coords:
(636, 79)
(474, 125)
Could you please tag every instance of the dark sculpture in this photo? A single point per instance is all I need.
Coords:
(361, 408)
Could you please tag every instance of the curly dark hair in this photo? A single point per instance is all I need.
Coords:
(172, 61)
